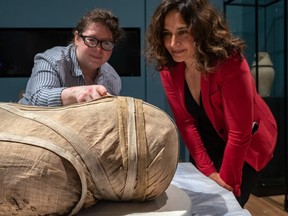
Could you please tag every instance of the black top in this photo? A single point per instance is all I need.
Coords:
(213, 143)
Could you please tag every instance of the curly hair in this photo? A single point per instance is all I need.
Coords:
(213, 41)
(103, 16)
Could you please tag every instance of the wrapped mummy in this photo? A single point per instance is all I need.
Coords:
(56, 161)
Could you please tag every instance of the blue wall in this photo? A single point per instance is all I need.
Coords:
(33, 13)
(66, 13)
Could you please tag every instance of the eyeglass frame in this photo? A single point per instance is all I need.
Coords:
(97, 42)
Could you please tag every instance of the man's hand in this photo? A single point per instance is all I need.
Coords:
(78, 94)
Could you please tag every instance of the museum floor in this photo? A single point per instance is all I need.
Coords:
(271, 205)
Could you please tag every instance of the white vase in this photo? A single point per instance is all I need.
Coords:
(266, 73)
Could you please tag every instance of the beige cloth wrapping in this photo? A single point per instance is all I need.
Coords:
(55, 161)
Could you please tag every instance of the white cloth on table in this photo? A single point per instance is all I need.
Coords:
(208, 198)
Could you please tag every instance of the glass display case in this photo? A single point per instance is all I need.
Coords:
(263, 26)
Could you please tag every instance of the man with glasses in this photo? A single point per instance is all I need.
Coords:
(78, 72)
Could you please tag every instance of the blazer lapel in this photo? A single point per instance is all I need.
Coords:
(205, 97)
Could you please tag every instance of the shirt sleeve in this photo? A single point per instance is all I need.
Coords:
(58, 68)
(44, 87)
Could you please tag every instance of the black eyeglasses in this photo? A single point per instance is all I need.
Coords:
(93, 42)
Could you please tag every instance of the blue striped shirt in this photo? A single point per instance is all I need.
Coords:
(58, 68)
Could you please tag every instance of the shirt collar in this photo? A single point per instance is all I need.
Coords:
(77, 70)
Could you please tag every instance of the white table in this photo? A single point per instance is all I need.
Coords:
(208, 198)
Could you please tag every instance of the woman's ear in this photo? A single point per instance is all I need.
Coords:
(76, 37)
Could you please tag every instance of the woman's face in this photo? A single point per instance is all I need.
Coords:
(177, 38)
(92, 58)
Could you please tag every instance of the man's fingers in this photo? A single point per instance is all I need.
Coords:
(101, 90)
(92, 92)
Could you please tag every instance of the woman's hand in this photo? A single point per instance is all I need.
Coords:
(86, 93)
(216, 177)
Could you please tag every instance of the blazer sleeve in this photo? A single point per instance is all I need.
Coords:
(185, 123)
(237, 100)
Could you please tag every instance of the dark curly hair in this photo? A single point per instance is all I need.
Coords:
(103, 16)
(213, 41)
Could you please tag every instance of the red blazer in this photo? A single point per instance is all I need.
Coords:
(232, 104)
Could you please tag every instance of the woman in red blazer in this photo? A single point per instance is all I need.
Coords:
(227, 127)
